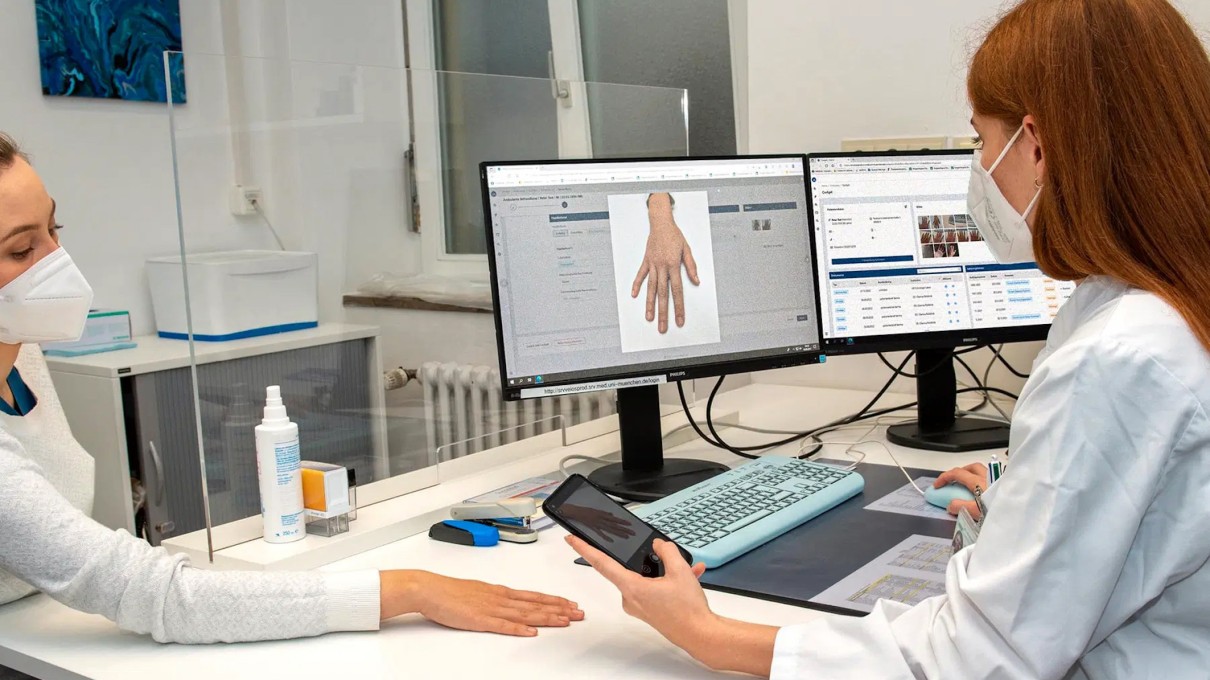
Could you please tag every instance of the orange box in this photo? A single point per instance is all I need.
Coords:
(325, 489)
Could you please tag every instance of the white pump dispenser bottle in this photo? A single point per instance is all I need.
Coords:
(278, 467)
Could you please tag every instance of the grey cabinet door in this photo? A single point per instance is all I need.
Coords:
(167, 453)
(326, 389)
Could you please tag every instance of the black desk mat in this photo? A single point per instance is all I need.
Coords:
(803, 563)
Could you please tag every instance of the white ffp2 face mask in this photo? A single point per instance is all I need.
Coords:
(47, 303)
(1003, 229)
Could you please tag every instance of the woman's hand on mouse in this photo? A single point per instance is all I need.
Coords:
(969, 476)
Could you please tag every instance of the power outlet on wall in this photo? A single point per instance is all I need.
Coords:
(244, 199)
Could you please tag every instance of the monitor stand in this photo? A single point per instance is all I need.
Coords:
(644, 475)
(937, 428)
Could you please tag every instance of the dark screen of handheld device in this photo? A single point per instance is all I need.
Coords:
(610, 527)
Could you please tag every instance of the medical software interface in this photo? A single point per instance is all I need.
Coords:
(899, 254)
(578, 247)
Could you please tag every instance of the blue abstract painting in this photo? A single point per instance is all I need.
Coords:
(113, 49)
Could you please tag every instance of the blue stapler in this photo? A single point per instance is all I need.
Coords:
(465, 533)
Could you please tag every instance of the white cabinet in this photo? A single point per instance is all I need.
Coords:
(133, 411)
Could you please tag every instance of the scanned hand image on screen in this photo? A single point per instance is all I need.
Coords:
(570, 240)
(663, 259)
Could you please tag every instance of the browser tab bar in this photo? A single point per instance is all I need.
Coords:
(669, 171)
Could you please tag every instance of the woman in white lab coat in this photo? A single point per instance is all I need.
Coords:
(1093, 557)
(49, 543)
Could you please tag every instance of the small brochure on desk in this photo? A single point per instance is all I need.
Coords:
(911, 572)
(537, 488)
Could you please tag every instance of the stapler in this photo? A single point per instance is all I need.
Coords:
(464, 533)
(511, 517)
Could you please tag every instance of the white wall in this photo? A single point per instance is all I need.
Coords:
(106, 163)
(820, 72)
(318, 103)
(332, 182)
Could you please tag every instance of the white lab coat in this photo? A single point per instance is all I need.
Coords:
(1092, 562)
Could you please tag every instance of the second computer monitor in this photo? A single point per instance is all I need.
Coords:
(903, 267)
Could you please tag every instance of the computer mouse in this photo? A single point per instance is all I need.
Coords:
(950, 492)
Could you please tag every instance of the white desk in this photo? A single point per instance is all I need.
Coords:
(46, 639)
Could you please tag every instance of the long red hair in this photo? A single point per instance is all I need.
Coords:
(1120, 90)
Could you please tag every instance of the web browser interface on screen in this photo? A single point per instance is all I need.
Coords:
(574, 246)
(898, 253)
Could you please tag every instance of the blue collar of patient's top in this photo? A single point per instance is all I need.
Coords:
(23, 397)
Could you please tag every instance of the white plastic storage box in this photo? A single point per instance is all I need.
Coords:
(235, 294)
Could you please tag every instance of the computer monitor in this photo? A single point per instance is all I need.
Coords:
(568, 248)
(902, 267)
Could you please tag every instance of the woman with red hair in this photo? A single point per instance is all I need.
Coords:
(1092, 559)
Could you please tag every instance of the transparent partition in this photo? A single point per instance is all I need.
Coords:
(331, 244)
(463, 119)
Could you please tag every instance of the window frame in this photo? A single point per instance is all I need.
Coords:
(574, 131)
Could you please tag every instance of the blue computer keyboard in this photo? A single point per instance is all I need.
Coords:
(726, 516)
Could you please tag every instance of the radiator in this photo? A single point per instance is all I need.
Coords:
(463, 408)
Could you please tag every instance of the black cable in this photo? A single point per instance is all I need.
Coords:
(1000, 357)
(742, 450)
(710, 409)
(899, 372)
(904, 374)
(836, 425)
(864, 413)
(957, 356)
(865, 409)
(987, 388)
(978, 383)
(987, 372)
(832, 427)
(816, 449)
(957, 353)
(983, 401)
(680, 390)
(718, 442)
(710, 423)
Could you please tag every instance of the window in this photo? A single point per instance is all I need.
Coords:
(508, 85)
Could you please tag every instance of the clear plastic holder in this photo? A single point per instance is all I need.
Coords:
(465, 447)
(519, 442)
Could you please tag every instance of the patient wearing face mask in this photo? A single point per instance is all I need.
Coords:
(49, 543)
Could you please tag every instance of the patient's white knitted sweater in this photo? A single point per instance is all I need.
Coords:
(48, 542)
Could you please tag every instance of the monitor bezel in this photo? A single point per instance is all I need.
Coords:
(701, 368)
(907, 341)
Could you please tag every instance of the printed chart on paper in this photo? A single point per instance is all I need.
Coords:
(911, 572)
